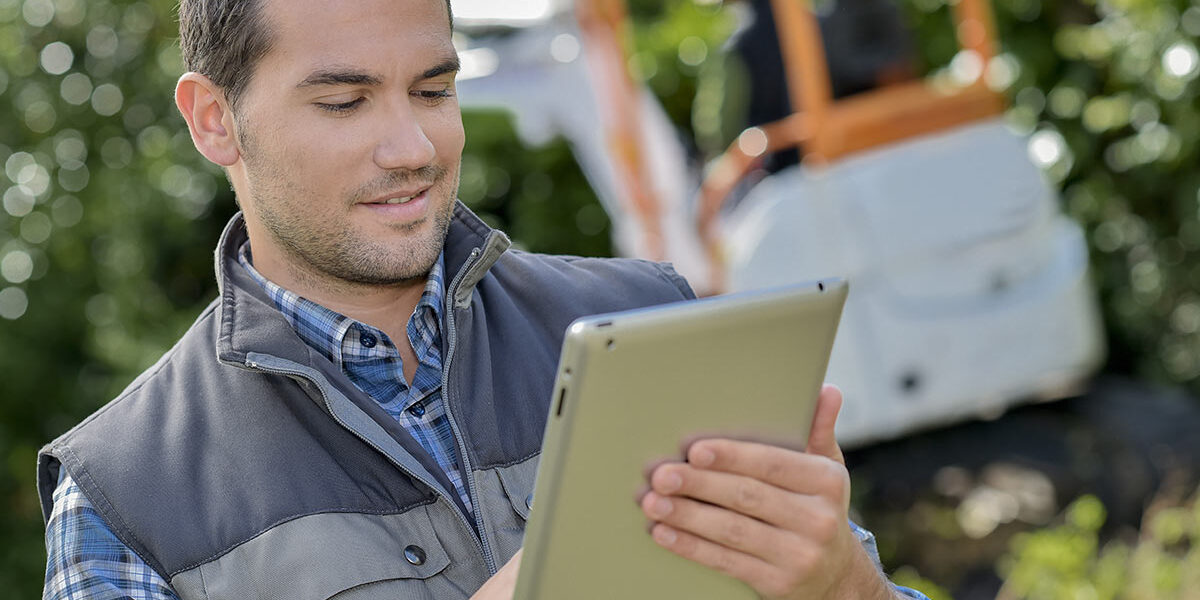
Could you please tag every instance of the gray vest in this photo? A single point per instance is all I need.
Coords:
(244, 465)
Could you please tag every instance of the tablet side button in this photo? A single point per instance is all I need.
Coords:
(562, 395)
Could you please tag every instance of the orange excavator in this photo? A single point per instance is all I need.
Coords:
(969, 288)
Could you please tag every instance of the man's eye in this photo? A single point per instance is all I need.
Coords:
(434, 96)
(340, 107)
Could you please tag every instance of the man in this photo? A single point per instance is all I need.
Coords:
(358, 415)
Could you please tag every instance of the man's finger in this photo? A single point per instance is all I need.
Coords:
(788, 469)
(749, 569)
(720, 526)
(821, 439)
(803, 514)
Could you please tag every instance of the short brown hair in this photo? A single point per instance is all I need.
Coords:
(224, 40)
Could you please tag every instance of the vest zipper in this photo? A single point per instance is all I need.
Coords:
(300, 374)
(468, 473)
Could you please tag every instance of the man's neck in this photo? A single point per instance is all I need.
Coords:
(384, 307)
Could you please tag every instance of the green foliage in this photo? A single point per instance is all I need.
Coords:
(109, 215)
(909, 578)
(673, 42)
(539, 196)
(1069, 561)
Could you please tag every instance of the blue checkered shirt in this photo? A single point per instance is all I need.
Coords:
(87, 561)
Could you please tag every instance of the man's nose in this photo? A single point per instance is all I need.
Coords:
(403, 143)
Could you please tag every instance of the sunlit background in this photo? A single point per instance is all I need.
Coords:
(110, 216)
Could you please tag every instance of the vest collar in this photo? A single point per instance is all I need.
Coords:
(249, 322)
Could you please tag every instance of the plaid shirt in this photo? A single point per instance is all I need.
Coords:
(87, 561)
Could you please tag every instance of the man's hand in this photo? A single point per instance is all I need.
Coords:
(502, 585)
(771, 517)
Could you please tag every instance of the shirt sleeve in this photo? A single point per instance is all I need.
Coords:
(85, 560)
(868, 541)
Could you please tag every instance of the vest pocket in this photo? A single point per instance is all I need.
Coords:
(517, 481)
(505, 497)
(347, 556)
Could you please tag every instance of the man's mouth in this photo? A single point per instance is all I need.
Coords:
(400, 197)
(398, 200)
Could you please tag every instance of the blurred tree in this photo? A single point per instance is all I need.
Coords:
(539, 196)
(109, 216)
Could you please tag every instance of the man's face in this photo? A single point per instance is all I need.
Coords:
(350, 138)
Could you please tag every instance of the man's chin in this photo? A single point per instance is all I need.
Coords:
(403, 263)
(393, 254)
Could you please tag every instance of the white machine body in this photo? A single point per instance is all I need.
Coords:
(969, 288)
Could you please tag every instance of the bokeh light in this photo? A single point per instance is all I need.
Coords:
(1181, 60)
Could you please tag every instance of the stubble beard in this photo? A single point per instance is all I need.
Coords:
(335, 253)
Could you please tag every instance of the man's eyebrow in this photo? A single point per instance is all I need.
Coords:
(449, 65)
(339, 77)
(336, 76)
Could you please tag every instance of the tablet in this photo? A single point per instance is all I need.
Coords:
(632, 389)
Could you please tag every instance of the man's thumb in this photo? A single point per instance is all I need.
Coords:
(821, 439)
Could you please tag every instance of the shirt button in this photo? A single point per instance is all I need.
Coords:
(414, 555)
(367, 340)
(529, 501)
(417, 410)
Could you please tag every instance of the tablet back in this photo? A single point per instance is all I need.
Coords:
(632, 389)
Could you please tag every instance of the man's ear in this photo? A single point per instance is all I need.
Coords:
(209, 118)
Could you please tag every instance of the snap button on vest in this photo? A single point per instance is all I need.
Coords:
(529, 501)
(414, 555)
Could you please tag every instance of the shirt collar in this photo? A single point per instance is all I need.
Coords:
(323, 329)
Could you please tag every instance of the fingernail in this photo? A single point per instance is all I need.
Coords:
(702, 457)
(670, 482)
(661, 508)
(664, 535)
